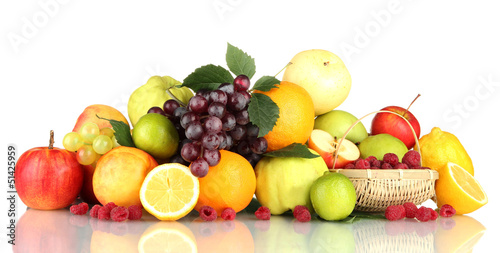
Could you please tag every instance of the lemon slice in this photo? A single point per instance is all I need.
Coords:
(167, 237)
(458, 188)
(169, 191)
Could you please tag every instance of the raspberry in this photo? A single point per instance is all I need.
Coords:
(411, 210)
(208, 213)
(134, 212)
(104, 213)
(79, 209)
(396, 212)
(402, 166)
(386, 166)
(447, 211)
(391, 159)
(376, 163)
(434, 214)
(263, 213)
(362, 164)
(119, 213)
(423, 214)
(94, 211)
(375, 168)
(111, 205)
(301, 213)
(412, 159)
(350, 166)
(371, 159)
(228, 214)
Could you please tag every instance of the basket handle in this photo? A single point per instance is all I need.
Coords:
(359, 120)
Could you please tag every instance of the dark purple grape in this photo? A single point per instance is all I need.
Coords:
(179, 112)
(253, 158)
(158, 110)
(199, 168)
(218, 96)
(204, 93)
(228, 122)
(241, 82)
(246, 95)
(213, 125)
(194, 131)
(210, 141)
(229, 142)
(188, 117)
(242, 117)
(259, 145)
(252, 130)
(211, 156)
(198, 104)
(170, 105)
(180, 131)
(236, 102)
(222, 138)
(239, 132)
(217, 109)
(191, 151)
(228, 88)
(178, 159)
(243, 148)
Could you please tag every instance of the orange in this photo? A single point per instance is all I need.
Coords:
(231, 183)
(296, 116)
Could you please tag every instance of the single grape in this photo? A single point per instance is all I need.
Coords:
(115, 142)
(188, 117)
(252, 130)
(72, 141)
(210, 141)
(190, 151)
(239, 132)
(241, 83)
(259, 145)
(229, 142)
(222, 138)
(86, 155)
(211, 156)
(236, 102)
(179, 112)
(228, 122)
(218, 96)
(88, 132)
(217, 109)
(213, 125)
(243, 148)
(170, 105)
(204, 93)
(198, 104)
(178, 159)
(246, 95)
(180, 130)
(102, 144)
(158, 110)
(228, 88)
(253, 158)
(242, 117)
(199, 168)
(108, 131)
(194, 131)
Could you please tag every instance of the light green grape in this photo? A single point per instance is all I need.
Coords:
(72, 141)
(89, 131)
(102, 144)
(115, 142)
(108, 132)
(86, 155)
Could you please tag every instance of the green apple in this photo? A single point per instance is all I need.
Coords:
(156, 135)
(154, 93)
(323, 75)
(284, 182)
(381, 144)
(333, 196)
(337, 123)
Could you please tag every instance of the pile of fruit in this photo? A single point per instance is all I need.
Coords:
(215, 141)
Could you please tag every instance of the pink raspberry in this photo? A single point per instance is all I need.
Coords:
(423, 214)
(94, 211)
(104, 213)
(395, 212)
(411, 210)
(119, 213)
(434, 214)
(401, 166)
(349, 166)
(447, 211)
(134, 212)
(111, 205)
(79, 209)
(362, 164)
(208, 213)
(386, 166)
(228, 214)
(391, 159)
(301, 213)
(263, 213)
(371, 159)
(376, 163)
(412, 159)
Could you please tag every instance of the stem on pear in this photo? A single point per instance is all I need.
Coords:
(51, 141)
(288, 64)
(404, 114)
(175, 98)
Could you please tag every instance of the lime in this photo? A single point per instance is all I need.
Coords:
(156, 135)
(333, 196)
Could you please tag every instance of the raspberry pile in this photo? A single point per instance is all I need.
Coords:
(410, 210)
(110, 211)
(411, 160)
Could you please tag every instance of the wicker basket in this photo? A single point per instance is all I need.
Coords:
(378, 189)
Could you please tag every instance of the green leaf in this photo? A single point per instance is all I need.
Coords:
(207, 77)
(266, 83)
(122, 132)
(263, 112)
(293, 150)
(239, 62)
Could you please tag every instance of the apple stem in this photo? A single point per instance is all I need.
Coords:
(51, 141)
(175, 98)
(404, 114)
(288, 64)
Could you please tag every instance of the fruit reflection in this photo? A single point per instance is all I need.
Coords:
(280, 235)
(171, 236)
(458, 234)
(110, 236)
(222, 236)
(332, 237)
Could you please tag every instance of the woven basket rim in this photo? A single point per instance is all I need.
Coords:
(411, 174)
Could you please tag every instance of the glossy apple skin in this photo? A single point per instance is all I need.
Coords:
(48, 179)
(396, 126)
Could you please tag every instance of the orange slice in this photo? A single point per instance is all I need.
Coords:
(458, 188)
(169, 191)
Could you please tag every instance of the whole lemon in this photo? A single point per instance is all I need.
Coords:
(156, 135)
(333, 196)
(439, 147)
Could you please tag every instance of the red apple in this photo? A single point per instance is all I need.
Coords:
(396, 126)
(48, 178)
(326, 145)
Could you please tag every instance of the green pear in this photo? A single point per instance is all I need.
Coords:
(337, 123)
(381, 144)
(154, 93)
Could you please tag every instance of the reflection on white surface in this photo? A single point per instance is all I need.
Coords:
(60, 231)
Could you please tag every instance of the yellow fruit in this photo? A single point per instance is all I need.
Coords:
(296, 116)
(458, 188)
(440, 147)
(169, 191)
(167, 237)
(461, 237)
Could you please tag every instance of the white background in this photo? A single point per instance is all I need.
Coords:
(56, 60)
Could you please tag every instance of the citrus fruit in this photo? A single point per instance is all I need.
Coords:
(156, 134)
(119, 174)
(231, 183)
(222, 236)
(459, 235)
(458, 188)
(169, 191)
(296, 116)
(167, 237)
(333, 196)
(439, 147)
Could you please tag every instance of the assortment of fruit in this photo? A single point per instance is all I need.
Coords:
(213, 141)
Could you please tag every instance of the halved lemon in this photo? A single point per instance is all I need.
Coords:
(170, 191)
(458, 188)
(167, 237)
